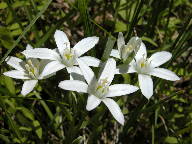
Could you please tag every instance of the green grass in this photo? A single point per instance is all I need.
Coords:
(52, 115)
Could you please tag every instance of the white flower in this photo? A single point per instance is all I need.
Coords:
(145, 67)
(125, 50)
(100, 90)
(30, 70)
(64, 56)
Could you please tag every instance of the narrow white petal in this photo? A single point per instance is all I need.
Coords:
(159, 58)
(120, 41)
(164, 74)
(74, 69)
(42, 53)
(85, 45)
(74, 85)
(121, 89)
(125, 68)
(109, 70)
(51, 68)
(142, 53)
(75, 73)
(14, 62)
(16, 74)
(92, 102)
(28, 86)
(91, 61)
(115, 53)
(29, 47)
(42, 64)
(86, 71)
(146, 85)
(61, 40)
(114, 109)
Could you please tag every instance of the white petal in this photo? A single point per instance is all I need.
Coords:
(14, 62)
(29, 47)
(86, 71)
(159, 58)
(109, 70)
(74, 69)
(85, 44)
(28, 86)
(146, 85)
(61, 40)
(121, 89)
(16, 74)
(51, 68)
(114, 109)
(120, 41)
(74, 85)
(164, 74)
(142, 53)
(125, 68)
(91, 61)
(42, 64)
(115, 53)
(42, 53)
(75, 73)
(92, 102)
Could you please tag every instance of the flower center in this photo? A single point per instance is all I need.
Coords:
(69, 57)
(31, 69)
(143, 66)
(102, 87)
(132, 46)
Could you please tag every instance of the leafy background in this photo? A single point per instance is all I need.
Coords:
(52, 115)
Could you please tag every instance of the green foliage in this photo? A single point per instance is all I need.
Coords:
(52, 115)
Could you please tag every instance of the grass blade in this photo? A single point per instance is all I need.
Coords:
(26, 30)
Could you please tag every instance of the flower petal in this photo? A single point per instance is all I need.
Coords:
(121, 89)
(85, 44)
(42, 64)
(120, 42)
(14, 62)
(61, 40)
(86, 71)
(29, 47)
(51, 68)
(125, 68)
(108, 71)
(28, 86)
(74, 85)
(16, 74)
(115, 110)
(75, 73)
(91, 61)
(115, 53)
(159, 58)
(92, 102)
(42, 53)
(164, 74)
(142, 53)
(146, 85)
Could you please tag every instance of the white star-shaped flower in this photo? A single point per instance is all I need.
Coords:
(64, 56)
(125, 50)
(30, 71)
(145, 67)
(100, 90)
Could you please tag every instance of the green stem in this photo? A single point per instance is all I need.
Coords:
(48, 111)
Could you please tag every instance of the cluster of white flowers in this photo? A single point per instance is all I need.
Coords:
(82, 78)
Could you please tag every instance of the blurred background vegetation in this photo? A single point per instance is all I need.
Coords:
(51, 115)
